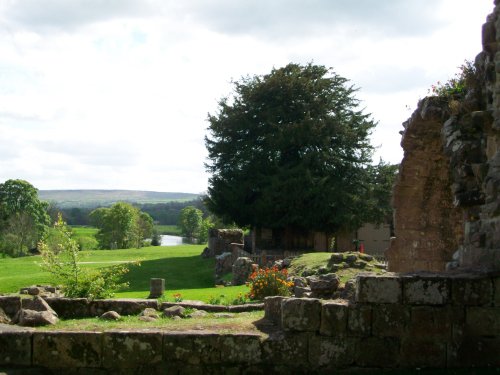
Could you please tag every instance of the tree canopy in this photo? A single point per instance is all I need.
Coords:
(23, 217)
(121, 226)
(290, 148)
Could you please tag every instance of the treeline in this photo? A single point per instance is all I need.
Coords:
(162, 213)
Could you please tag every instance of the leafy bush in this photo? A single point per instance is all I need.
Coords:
(269, 282)
(61, 258)
(458, 85)
(87, 243)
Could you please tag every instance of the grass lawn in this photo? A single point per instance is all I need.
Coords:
(80, 231)
(182, 267)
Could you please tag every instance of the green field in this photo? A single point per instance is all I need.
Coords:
(172, 230)
(80, 231)
(182, 267)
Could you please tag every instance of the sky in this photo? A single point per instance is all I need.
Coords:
(114, 94)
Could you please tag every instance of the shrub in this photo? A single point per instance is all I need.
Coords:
(269, 282)
(87, 243)
(457, 86)
(61, 258)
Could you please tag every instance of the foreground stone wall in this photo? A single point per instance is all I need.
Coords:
(399, 322)
(447, 197)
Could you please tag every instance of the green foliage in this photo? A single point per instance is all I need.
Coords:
(23, 217)
(61, 258)
(457, 86)
(190, 221)
(288, 150)
(121, 226)
(267, 282)
(380, 180)
(206, 225)
(172, 230)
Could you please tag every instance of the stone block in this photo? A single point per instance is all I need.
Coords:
(67, 349)
(429, 322)
(479, 352)
(284, 348)
(272, 309)
(240, 348)
(300, 314)
(378, 352)
(378, 289)
(10, 304)
(15, 348)
(471, 290)
(156, 287)
(69, 308)
(124, 306)
(192, 349)
(483, 321)
(334, 318)
(496, 287)
(423, 353)
(359, 320)
(192, 305)
(428, 290)
(331, 352)
(131, 349)
(390, 320)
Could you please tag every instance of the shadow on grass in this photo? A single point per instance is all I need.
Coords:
(192, 272)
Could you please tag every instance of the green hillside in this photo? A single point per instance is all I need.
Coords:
(95, 198)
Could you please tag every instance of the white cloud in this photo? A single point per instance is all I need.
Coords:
(115, 94)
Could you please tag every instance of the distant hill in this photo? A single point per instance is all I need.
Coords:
(96, 198)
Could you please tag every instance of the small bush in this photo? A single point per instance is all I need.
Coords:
(87, 243)
(62, 257)
(457, 86)
(269, 282)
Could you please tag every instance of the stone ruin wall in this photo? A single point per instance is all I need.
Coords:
(395, 322)
(446, 199)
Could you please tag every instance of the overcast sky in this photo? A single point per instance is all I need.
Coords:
(114, 94)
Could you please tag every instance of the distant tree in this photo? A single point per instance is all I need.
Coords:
(23, 217)
(289, 149)
(121, 226)
(155, 238)
(380, 179)
(190, 221)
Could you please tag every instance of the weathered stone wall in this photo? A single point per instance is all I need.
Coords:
(427, 225)
(399, 322)
(447, 196)
(219, 240)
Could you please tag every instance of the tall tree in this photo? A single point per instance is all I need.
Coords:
(289, 149)
(23, 217)
(190, 221)
(121, 226)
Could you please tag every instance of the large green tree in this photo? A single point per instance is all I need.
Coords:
(290, 149)
(121, 226)
(23, 217)
(190, 221)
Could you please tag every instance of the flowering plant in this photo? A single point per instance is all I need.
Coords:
(177, 297)
(458, 85)
(268, 282)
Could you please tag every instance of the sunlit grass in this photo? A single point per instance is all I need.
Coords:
(182, 267)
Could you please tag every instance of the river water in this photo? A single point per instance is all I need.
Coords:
(167, 240)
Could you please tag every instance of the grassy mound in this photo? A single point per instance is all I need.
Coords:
(345, 265)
